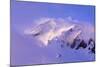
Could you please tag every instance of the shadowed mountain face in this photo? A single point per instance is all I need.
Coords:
(75, 35)
(51, 40)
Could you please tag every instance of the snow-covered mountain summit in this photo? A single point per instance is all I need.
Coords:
(69, 32)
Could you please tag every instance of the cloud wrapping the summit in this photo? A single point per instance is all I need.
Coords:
(46, 29)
